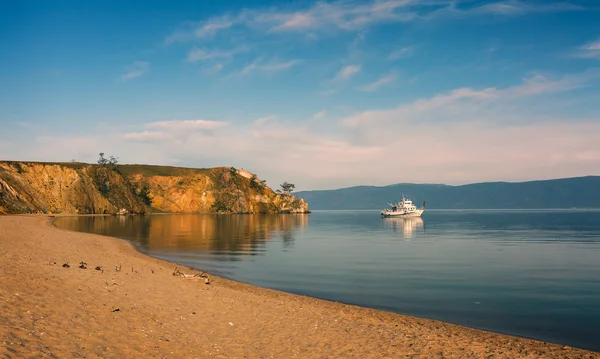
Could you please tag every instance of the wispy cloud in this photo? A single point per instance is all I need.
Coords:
(319, 115)
(519, 7)
(201, 54)
(270, 66)
(166, 130)
(145, 136)
(384, 80)
(464, 101)
(356, 15)
(347, 72)
(139, 68)
(401, 53)
(263, 120)
(589, 50)
(452, 9)
(187, 125)
(211, 27)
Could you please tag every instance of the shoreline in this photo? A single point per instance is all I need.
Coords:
(144, 310)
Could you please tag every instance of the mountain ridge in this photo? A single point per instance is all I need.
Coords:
(570, 192)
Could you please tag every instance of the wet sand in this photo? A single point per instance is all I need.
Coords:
(143, 310)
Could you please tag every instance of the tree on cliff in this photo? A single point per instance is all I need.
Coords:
(145, 195)
(103, 161)
(286, 187)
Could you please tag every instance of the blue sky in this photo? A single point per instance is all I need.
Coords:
(322, 94)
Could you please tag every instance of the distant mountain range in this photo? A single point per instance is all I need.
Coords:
(578, 192)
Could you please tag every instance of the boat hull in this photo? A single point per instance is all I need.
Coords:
(416, 213)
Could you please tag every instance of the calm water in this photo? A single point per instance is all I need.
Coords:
(529, 273)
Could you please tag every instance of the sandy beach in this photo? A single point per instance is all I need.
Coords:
(133, 306)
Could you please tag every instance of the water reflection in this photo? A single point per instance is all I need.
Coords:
(405, 226)
(217, 234)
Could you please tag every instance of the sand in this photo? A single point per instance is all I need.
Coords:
(47, 310)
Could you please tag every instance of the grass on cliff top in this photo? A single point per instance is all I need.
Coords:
(128, 170)
(151, 170)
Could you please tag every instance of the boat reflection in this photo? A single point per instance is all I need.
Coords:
(406, 226)
(216, 234)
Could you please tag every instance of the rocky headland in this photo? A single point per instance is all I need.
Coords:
(81, 188)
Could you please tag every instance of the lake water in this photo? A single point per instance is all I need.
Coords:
(529, 273)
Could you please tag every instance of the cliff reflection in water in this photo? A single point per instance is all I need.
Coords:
(193, 233)
(406, 227)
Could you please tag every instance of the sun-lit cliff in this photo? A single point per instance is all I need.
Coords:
(84, 188)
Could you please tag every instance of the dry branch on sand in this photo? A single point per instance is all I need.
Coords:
(178, 273)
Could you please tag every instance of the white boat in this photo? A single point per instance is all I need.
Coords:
(404, 208)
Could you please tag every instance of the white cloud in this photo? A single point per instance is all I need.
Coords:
(401, 53)
(187, 125)
(260, 65)
(211, 27)
(500, 8)
(169, 130)
(263, 120)
(145, 136)
(139, 68)
(383, 81)
(434, 153)
(319, 115)
(347, 72)
(589, 50)
(467, 100)
(298, 20)
(357, 15)
(197, 54)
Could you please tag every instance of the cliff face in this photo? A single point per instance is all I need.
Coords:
(84, 188)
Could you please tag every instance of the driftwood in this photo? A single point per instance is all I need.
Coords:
(178, 273)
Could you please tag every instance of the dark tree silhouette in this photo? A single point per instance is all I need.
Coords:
(145, 195)
(287, 187)
(102, 160)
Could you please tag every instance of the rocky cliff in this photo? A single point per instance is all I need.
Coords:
(93, 189)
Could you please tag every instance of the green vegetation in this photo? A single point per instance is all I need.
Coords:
(256, 184)
(150, 170)
(102, 179)
(287, 187)
(144, 195)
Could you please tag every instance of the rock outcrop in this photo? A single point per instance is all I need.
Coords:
(82, 188)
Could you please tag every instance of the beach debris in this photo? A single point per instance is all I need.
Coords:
(118, 269)
(152, 270)
(98, 268)
(66, 265)
(178, 273)
(116, 310)
(83, 265)
(230, 323)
